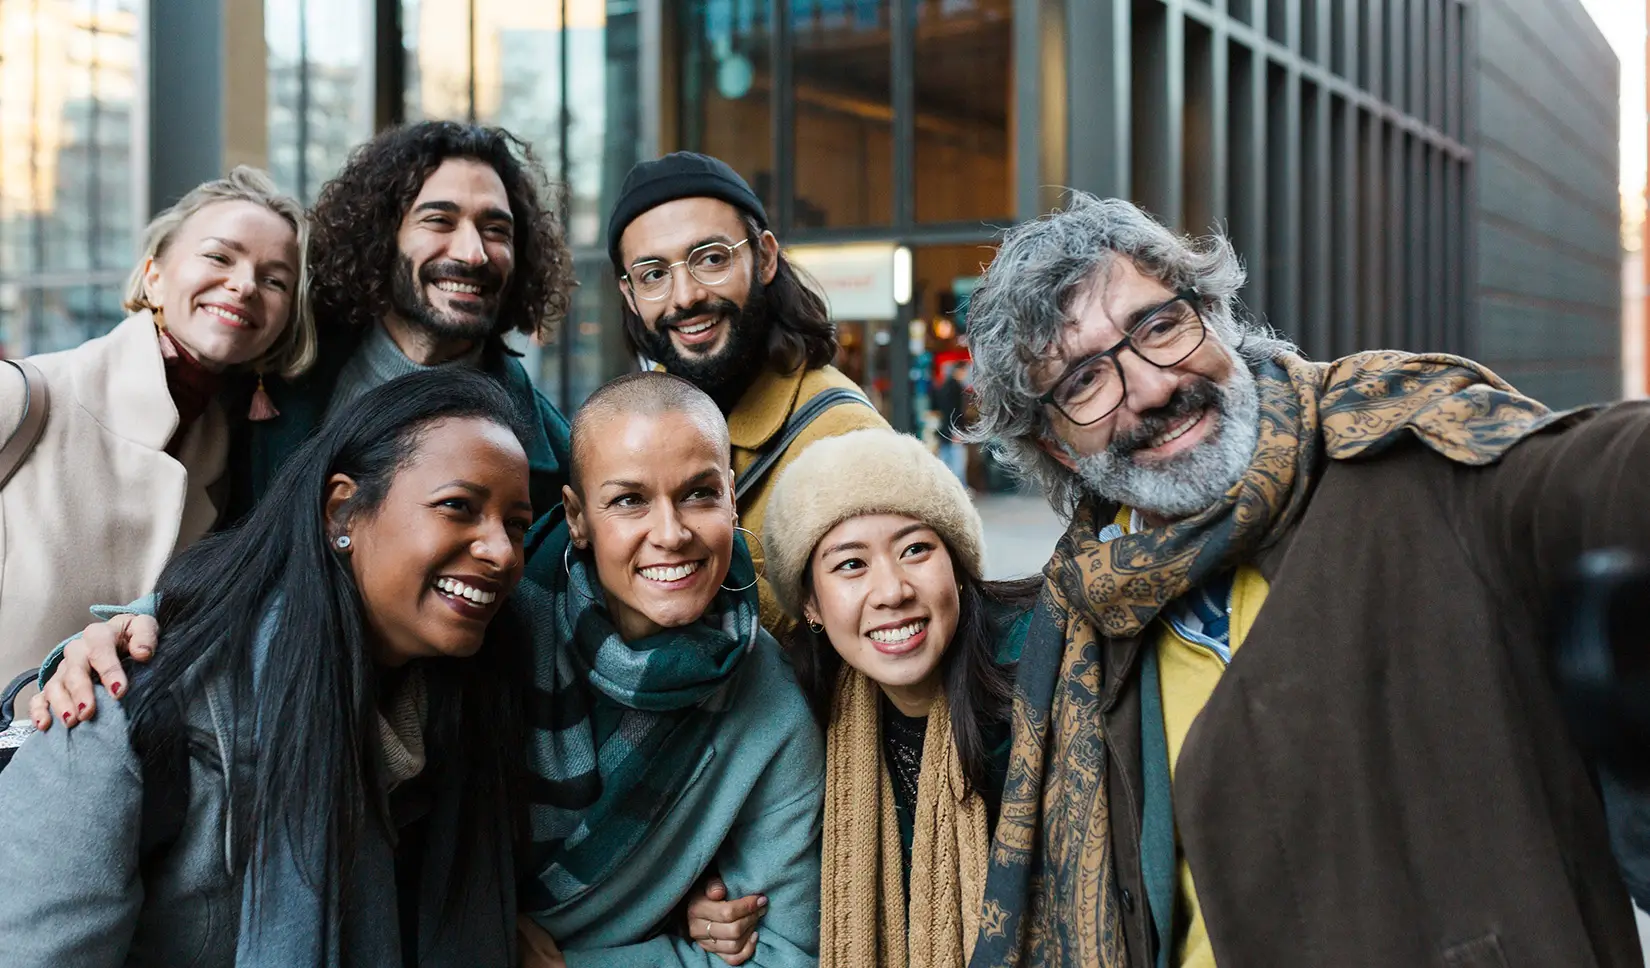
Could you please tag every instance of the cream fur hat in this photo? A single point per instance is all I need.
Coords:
(870, 471)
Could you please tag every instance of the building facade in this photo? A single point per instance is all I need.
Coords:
(1420, 174)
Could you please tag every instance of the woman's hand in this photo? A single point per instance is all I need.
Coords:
(722, 927)
(68, 695)
(538, 949)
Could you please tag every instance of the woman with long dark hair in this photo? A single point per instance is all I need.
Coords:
(907, 656)
(321, 765)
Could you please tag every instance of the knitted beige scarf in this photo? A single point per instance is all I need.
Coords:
(401, 730)
(863, 921)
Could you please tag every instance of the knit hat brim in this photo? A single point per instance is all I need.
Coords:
(869, 471)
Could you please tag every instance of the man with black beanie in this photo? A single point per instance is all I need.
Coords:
(709, 297)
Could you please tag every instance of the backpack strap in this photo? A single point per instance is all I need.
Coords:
(793, 428)
(8, 698)
(37, 403)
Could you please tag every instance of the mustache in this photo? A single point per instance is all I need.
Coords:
(484, 275)
(1200, 395)
(720, 308)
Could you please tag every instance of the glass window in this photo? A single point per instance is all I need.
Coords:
(436, 37)
(964, 85)
(320, 98)
(843, 108)
(68, 81)
(727, 87)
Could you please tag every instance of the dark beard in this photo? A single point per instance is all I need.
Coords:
(408, 301)
(726, 375)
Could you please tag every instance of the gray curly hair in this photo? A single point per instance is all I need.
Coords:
(1022, 307)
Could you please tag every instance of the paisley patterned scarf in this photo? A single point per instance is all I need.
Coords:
(1050, 896)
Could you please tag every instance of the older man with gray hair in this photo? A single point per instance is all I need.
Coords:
(1285, 701)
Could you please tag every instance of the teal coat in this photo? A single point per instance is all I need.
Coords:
(752, 810)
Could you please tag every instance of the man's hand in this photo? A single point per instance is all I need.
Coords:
(68, 696)
(538, 949)
(722, 927)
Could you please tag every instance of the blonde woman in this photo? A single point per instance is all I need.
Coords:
(130, 465)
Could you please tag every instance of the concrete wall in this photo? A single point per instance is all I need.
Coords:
(1548, 212)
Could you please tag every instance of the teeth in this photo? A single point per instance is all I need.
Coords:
(700, 328)
(901, 634)
(447, 285)
(226, 314)
(458, 589)
(1175, 434)
(671, 572)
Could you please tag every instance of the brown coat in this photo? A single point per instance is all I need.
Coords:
(1381, 777)
(761, 412)
(98, 507)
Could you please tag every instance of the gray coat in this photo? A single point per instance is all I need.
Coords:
(72, 808)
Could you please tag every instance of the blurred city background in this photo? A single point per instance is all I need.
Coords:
(1459, 175)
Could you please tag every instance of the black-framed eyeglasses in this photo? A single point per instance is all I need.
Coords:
(1093, 387)
(710, 264)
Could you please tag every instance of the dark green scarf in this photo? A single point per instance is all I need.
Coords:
(618, 726)
(1051, 897)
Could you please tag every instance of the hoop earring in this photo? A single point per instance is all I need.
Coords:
(758, 577)
(567, 564)
(815, 628)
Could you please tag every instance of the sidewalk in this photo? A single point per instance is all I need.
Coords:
(1020, 532)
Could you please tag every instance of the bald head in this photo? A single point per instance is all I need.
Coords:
(645, 393)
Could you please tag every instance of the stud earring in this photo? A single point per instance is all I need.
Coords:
(342, 543)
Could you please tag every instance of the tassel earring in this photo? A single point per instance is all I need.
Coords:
(168, 348)
(262, 408)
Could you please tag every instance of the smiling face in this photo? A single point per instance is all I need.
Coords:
(226, 284)
(457, 250)
(1182, 436)
(884, 587)
(657, 513)
(438, 557)
(707, 334)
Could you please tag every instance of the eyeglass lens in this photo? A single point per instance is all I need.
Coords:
(1095, 387)
(710, 264)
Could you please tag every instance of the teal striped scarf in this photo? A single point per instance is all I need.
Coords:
(618, 727)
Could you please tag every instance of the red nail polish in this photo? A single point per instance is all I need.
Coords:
(82, 707)
(114, 690)
(65, 717)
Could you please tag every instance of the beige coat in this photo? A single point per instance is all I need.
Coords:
(99, 506)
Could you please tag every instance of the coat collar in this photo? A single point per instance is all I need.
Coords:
(764, 408)
(123, 382)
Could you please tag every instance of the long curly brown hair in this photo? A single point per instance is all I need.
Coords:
(355, 221)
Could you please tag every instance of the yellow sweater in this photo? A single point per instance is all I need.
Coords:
(1188, 673)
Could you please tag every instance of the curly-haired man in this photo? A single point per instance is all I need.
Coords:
(435, 241)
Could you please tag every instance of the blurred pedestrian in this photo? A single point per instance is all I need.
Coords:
(1286, 699)
(129, 466)
(951, 409)
(710, 297)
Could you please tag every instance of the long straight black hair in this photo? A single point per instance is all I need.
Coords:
(275, 584)
(978, 689)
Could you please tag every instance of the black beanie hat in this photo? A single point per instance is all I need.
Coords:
(680, 174)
